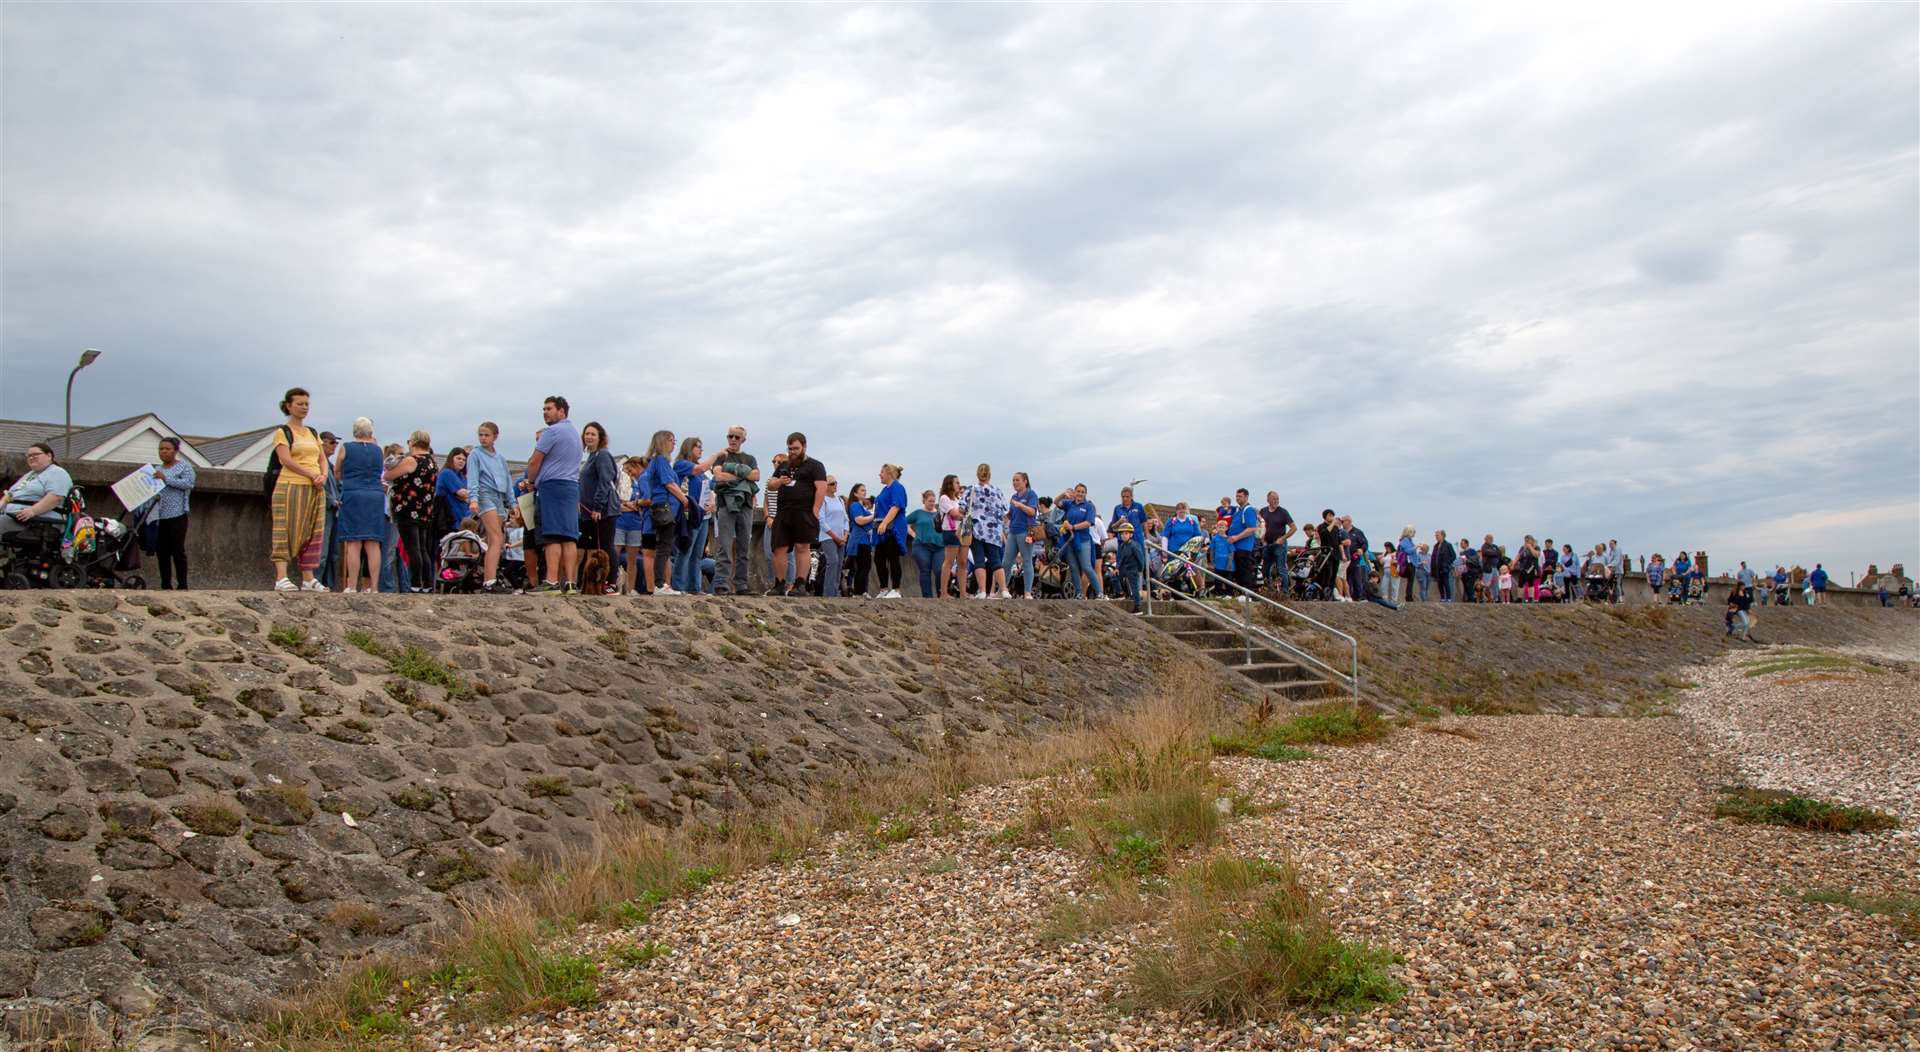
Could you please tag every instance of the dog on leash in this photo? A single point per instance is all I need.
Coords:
(593, 573)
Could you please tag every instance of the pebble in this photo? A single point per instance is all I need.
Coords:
(1553, 881)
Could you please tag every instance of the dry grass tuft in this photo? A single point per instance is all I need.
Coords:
(1246, 938)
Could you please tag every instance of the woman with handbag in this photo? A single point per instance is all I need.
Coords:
(668, 501)
(986, 525)
(953, 560)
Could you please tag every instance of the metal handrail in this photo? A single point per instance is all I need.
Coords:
(1353, 645)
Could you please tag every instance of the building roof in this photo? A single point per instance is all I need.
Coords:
(19, 434)
(222, 450)
(16, 435)
(87, 438)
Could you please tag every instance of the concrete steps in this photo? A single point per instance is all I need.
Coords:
(1262, 666)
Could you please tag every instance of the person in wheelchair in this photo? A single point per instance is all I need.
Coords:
(38, 496)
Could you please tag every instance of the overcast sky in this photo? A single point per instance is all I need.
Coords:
(1588, 274)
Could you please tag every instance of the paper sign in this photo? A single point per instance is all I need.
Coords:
(138, 488)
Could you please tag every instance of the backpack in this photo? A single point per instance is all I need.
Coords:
(273, 460)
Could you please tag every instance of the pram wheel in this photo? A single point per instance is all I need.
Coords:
(16, 580)
(67, 577)
(134, 581)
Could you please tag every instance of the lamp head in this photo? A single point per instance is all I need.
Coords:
(87, 357)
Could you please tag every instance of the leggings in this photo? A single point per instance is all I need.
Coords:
(860, 562)
(414, 536)
(172, 551)
(928, 556)
(887, 558)
(663, 536)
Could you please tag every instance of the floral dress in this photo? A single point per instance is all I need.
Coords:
(413, 492)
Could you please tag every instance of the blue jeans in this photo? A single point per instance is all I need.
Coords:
(1079, 559)
(686, 565)
(390, 560)
(830, 568)
(927, 557)
(1020, 557)
(1273, 563)
(1424, 578)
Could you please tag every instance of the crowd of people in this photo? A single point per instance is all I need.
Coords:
(356, 515)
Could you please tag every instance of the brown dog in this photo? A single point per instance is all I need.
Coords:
(593, 573)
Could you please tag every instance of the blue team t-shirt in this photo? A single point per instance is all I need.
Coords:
(1222, 552)
(859, 537)
(893, 497)
(1247, 518)
(1019, 522)
(1077, 512)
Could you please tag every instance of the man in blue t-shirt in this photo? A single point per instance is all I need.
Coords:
(554, 477)
(1818, 579)
(1022, 507)
(1244, 534)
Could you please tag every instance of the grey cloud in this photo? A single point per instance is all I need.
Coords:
(1560, 272)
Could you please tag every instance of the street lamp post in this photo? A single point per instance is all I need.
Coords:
(86, 358)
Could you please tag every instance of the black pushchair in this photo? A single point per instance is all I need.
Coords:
(1307, 569)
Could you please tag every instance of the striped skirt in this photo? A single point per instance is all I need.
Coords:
(296, 525)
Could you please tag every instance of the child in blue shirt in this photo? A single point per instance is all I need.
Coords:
(1221, 550)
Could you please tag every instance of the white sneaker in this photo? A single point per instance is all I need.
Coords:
(664, 590)
(284, 585)
(313, 586)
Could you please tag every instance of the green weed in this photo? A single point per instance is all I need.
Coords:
(1779, 808)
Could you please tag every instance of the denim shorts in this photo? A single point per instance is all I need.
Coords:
(950, 538)
(494, 501)
(988, 556)
(626, 538)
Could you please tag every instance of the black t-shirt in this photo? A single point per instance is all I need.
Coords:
(796, 489)
(1743, 601)
(1329, 535)
(1276, 521)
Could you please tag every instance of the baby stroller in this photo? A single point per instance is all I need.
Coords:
(1308, 568)
(460, 566)
(1599, 587)
(114, 561)
(1049, 574)
(1182, 576)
